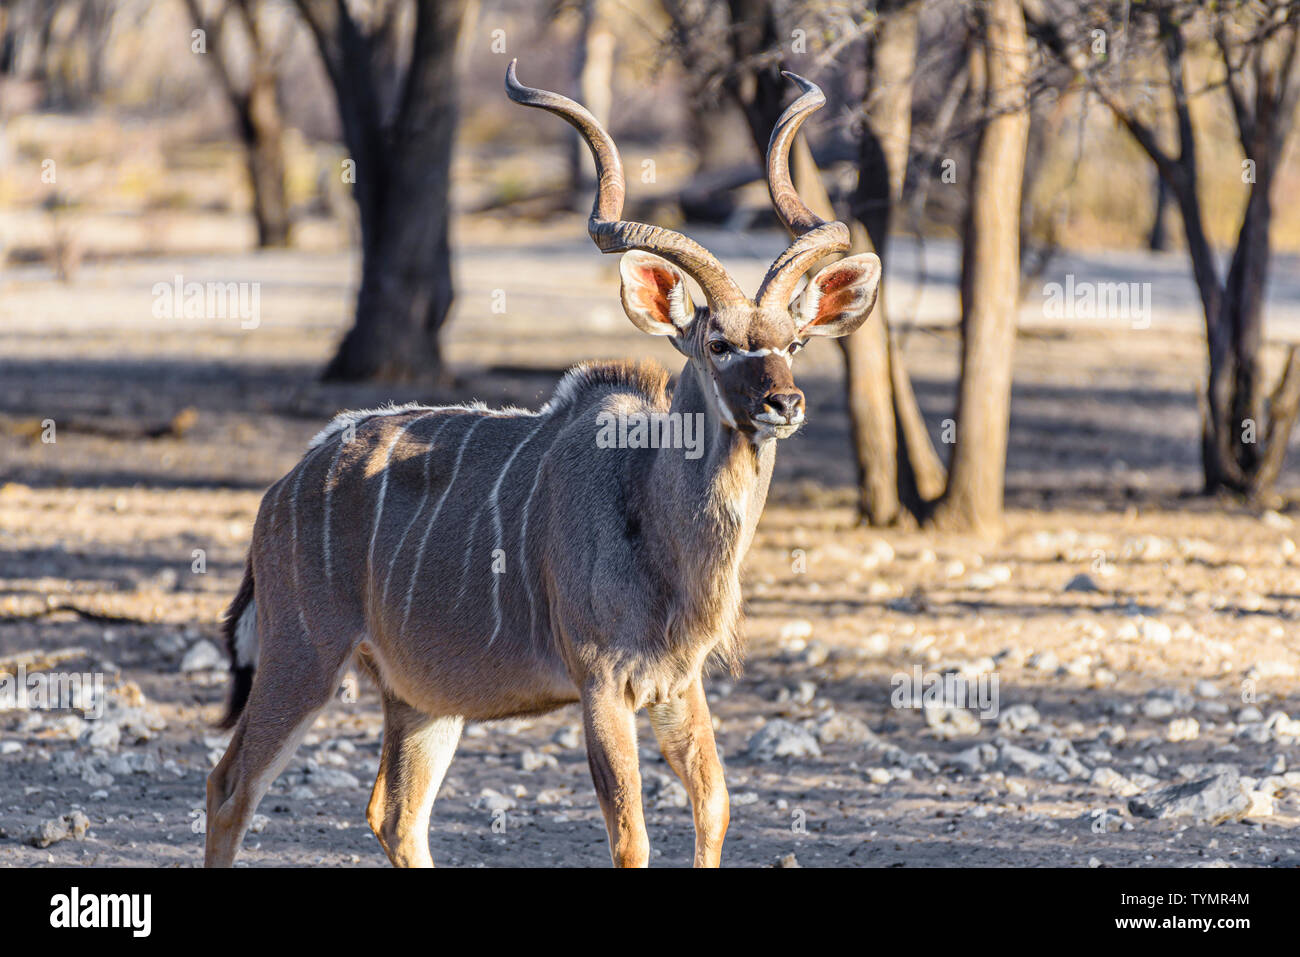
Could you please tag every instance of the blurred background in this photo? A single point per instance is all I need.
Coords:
(1059, 448)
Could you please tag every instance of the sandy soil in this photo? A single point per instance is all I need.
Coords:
(1188, 610)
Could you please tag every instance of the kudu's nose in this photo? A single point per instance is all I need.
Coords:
(788, 405)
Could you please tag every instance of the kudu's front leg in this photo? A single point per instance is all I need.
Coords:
(610, 726)
(685, 733)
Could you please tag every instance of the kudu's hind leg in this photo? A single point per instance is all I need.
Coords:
(293, 683)
(417, 750)
(685, 733)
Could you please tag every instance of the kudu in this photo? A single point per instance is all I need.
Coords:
(481, 564)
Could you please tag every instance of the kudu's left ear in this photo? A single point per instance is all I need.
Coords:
(839, 298)
(654, 294)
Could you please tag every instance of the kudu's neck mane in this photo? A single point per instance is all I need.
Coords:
(701, 512)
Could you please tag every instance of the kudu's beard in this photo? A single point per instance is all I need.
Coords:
(769, 431)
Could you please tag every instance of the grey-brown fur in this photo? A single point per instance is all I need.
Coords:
(482, 563)
(597, 550)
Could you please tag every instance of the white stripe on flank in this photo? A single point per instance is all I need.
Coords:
(325, 524)
(428, 459)
(523, 532)
(293, 548)
(493, 500)
(383, 492)
(523, 557)
(293, 524)
(424, 541)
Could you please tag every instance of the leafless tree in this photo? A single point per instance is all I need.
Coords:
(244, 59)
(396, 95)
(62, 41)
(990, 277)
(1246, 424)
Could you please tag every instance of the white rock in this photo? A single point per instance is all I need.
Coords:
(1183, 729)
(799, 629)
(948, 722)
(1105, 821)
(103, 734)
(319, 776)
(1113, 733)
(1156, 632)
(1261, 804)
(70, 826)
(1283, 726)
(1157, 708)
(568, 737)
(813, 656)
(495, 801)
(1015, 758)
(1043, 661)
(1114, 782)
(876, 645)
(1275, 519)
(835, 727)
(881, 551)
(783, 739)
(203, 656)
(530, 760)
(664, 790)
(1018, 718)
(974, 759)
(1209, 801)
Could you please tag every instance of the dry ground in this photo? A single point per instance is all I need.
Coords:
(1193, 616)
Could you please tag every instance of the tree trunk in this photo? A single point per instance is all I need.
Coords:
(263, 134)
(990, 283)
(1247, 430)
(403, 183)
(257, 113)
(593, 75)
(1157, 239)
(891, 446)
(1244, 433)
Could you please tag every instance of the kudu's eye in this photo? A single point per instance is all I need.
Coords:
(794, 348)
(718, 347)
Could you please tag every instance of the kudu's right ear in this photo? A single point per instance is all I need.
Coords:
(654, 294)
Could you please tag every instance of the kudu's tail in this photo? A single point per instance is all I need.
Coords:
(240, 629)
